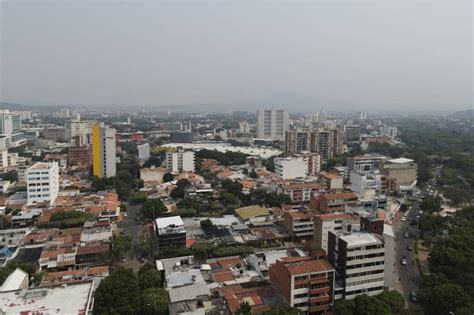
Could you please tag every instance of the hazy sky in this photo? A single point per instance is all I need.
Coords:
(333, 55)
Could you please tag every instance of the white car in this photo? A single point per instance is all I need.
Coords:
(403, 219)
(404, 262)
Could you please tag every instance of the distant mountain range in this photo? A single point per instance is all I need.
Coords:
(37, 108)
(467, 114)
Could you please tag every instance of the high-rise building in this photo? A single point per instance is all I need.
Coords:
(143, 151)
(305, 283)
(335, 141)
(42, 182)
(103, 151)
(352, 133)
(297, 140)
(272, 124)
(10, 128)
(324, 145)
(79, 128)
(180, 161)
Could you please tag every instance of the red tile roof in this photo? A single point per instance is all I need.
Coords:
(308, 266)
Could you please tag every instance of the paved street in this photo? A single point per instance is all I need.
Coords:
(130, 226)
(409, 275)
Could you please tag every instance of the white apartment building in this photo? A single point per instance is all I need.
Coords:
(272, 123)
(313, 161)
(22, 164)
(337, 223)
(180, 161)
(42, 182)
(360, 259)
(143, 151)
(79, 129)
(3, 158)
(367, 184)
(291, 167)
(10, 127)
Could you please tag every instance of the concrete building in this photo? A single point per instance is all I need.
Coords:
(352, 133)
(291, 167)
(299, 223)
(304, 283)
(10, 128)
(81, 129)
(80, 155)
(42, 182)
(182, 137)
(143, 151)
(313, 161)
(300, 191)
(244, 127)
(74, 298)
(180, 161)
(272, 124)
(54, 133)
(297, 141)
(364, 183)
(103, 151)
(3, 159)
(366, 162)
(402, 173)
(170, 231)
(338, 224)
(339, 202)
(359, 260)
(17, 280)
(324, 145)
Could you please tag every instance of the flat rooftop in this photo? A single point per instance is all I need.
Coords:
(69, 299)
(360, 239)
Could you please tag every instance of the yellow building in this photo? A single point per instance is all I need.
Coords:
(103, 151)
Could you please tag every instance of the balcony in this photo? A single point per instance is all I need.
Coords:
(318, 290)
(319, 280)
(320, 299)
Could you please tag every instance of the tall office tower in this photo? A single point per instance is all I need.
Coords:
(79, 128)
(336, 143)
(324, 145)
(180, 161)
(103, 151)
(352, 133)
(272, 124)
(42, 182)
(10, 128)
(297, 141)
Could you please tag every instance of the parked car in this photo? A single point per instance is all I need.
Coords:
(141, 260)
(406, 235)
(409, 247)
(413, 297)
(403, 219)
(403, 261)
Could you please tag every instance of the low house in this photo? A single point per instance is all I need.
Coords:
(254, 215)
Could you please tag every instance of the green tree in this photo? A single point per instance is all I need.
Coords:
(139, 197)
(344, 307)
(118, 294)
(431, 204)
(122, 243)
(149, 277)
(168, 177)
(152, 208)
(154, 302)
